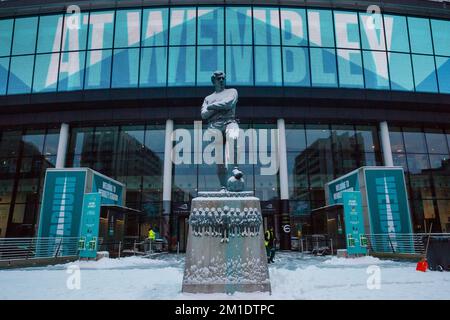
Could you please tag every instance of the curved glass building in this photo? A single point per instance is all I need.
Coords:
(104, 84)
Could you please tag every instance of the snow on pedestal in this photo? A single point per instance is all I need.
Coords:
(225, 248)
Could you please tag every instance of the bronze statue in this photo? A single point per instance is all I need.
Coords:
(219, 111)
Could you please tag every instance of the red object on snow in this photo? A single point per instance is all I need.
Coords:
(422, 266)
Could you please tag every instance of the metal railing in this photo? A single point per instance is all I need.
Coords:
(319, 244)
(37, 248)
(400, 243)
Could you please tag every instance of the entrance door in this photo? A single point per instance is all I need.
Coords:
(183, 228)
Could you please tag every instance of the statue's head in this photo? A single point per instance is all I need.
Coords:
(218, 80)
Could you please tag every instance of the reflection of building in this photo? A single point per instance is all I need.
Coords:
(155, 75)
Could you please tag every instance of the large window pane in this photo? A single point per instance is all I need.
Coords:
(436, 141)
(318, 137)
(296, 70)
(295, 137)
(209, 59)
(101, 27)
(155, 137)
(420, 35)
(321, 30)
(239, 65)
(323, 67)
(367, 138)
(183, 24)
(372, 31)
(127, 29)
(396, 138)
(51, 142)
(75, 32)
(268, 66)
(350, 68)
(239, 25)
(443, 73)
(400, 72)
(20, 76)
(266, 26)
(125, 68)
(155, 27)
(131, 139)
(4, 68)
(181, 66)
(294, 30)
(347, 30)
(210, 26)
(50, 30)
(71, 71)
(414, 140)
(33, 142)
(424, 73)
(9, 143)
(375, 70)
(153, 67)
(105, 139)
(98, 69)
(396, 33)
(46, 72)
(5, 36)
(441, 37)
(25, 28)
(81, 140)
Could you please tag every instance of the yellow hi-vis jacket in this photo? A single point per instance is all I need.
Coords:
(151, 235)
(267, 237)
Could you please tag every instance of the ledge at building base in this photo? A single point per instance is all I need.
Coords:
(225, 248)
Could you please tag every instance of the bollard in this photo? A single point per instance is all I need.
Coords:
(120, 247)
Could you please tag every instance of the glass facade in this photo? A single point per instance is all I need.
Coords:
(255, 45)
(24, 157)
(134, 155)
(424, 154)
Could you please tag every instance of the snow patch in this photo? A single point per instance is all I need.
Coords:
(367, 260)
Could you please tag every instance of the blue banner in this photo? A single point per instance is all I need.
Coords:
(354, 223)
(89, 225)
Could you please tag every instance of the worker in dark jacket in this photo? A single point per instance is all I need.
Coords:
(269, 241)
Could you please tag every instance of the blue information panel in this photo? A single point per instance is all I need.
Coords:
(89, 225)
(354, 223)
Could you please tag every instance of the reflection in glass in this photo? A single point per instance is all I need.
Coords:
(153, 67)
(401, 72)
(420, 35)
(296, 67)
(71, 71)
(238, 25)
(20, 76)
(50, 30)
(268, 66)
(424, 73)
(181, 68)
(239, 64)
(209, 59)
(127, 29)
(294, 27)
(210, 26)
(125, 68)
(25, 28)
(323, 67)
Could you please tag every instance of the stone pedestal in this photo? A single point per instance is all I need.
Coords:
(225, 248)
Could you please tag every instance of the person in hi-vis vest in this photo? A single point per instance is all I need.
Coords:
(269, 241)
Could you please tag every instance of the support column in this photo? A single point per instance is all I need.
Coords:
(167, 183)
(284, 218)
(386, 144)
(62, 146)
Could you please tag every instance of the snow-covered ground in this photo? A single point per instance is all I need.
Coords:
(293, 276)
